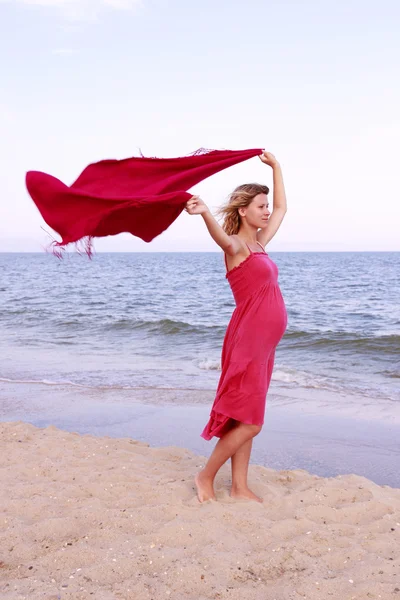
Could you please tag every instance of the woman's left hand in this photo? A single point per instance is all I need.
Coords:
(268, 159)
(196, 206)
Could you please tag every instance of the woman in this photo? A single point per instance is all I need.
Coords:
(255, 329)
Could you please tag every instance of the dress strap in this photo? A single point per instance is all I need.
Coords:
(261, 246)
(250, 250)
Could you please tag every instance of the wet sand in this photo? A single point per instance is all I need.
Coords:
(306, 437)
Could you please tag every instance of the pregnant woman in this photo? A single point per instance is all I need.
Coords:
(254, 331)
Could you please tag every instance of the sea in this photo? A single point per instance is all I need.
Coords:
(154, 324)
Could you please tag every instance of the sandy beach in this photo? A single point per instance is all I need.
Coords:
(105, 518)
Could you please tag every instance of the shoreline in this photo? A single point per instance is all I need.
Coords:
(326, 445)
(88, 516)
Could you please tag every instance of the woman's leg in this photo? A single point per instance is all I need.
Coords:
(240, 467)
(224, 449)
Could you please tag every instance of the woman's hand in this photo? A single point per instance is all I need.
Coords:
(268, 159)
(196, 206)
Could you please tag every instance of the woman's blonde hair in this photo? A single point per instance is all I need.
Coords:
(241, 196)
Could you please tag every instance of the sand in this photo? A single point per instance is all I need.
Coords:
(97, 517)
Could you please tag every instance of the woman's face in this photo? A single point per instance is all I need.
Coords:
(257, 213)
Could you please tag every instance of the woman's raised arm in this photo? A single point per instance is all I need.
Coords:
(228, 243)
(265, 234)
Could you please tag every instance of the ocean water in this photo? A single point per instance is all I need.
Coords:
(148, 322)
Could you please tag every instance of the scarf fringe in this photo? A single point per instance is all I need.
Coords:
(58, 249)
(85, 246)
(198, 152)
(201, 151)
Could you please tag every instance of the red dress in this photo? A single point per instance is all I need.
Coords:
(248, 352)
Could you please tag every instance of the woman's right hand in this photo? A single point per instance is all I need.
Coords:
(268, 159)
(196, 206)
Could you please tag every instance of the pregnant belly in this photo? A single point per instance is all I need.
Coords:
(272, 322)
(257, 330)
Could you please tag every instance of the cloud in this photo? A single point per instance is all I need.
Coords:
(78, 10)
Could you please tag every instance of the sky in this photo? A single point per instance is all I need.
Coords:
(314, 82)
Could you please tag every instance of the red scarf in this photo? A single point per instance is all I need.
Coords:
(139, 195)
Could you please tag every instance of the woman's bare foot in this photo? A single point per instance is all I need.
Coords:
(245, 494)
(204, 485)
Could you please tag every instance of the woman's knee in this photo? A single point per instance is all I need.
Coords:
(253, 430)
